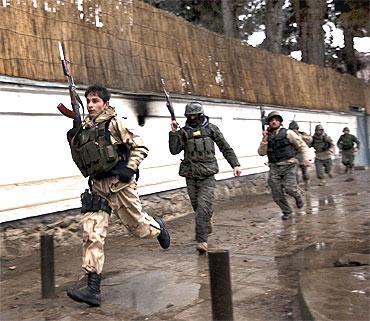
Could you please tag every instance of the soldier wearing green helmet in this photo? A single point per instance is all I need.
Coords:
(197, 140)
(346, 144)
(308, 140)
(281, 145)
(324, 149)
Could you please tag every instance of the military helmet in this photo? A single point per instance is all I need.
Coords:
(293, 125)
(319, 127)
(345, 129)
(193, 108)
(274, 114)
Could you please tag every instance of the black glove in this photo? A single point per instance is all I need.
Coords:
(124, 173)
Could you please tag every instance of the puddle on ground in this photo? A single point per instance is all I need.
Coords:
(330, 202)
(151, 291)
(320, 255)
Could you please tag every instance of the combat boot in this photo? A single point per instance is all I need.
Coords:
(299, 202)
(163, 238)
(286, 216)
(202, 247)
(89, 294)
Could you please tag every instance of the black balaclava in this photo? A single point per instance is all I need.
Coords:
(196, 121)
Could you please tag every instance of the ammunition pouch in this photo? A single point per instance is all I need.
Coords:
(92, 202)
(93, 152)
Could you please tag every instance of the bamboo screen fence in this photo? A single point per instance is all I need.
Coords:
(129, 45)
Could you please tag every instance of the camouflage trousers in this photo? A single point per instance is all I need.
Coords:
(126, 205)
(282, 179)
(348, 158)
(304, 171)
(322, 165)
(201, 192)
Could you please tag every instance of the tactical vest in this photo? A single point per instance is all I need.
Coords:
(93, 152)
(199, 144)
(320, 143)
(346, 142)
(279, 148)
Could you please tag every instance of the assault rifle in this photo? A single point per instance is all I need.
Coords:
(169, 103)
(75, 99)
(263, 118)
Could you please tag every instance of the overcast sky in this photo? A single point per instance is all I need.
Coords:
(360, 44)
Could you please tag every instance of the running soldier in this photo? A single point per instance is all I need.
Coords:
(109, 153)
(281, 146)
(324, 149)
(346, 144)
(308, 140)
(199, 165)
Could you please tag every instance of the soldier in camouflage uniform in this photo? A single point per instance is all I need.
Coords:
(281, 145)
(346, 144)
(324, 149)
(308, 140)
(107, 151)
(199, 165)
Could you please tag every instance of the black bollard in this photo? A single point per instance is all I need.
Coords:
(47, 267)
(219, 274)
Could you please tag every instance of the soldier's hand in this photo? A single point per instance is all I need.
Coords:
(237, 171)
(174, 125)
(306, 162)
(265, 135)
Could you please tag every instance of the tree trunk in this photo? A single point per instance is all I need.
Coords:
(349, 52)
(229, 19)
(310, 15)
(274, 26)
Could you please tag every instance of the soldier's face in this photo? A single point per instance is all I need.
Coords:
(193, 118)
(95, 104)
(274, 123)
(319, 131)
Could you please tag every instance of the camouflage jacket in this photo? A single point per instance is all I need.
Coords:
(194, 167)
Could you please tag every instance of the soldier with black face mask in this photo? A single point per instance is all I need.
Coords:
(199, 165)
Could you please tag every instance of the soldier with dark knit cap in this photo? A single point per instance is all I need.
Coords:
(281, 145)
(346, 144)
(197, 139)
(308, 140)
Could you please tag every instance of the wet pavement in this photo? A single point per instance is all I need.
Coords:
(280, 270)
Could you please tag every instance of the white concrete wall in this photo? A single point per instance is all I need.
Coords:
(38, 176)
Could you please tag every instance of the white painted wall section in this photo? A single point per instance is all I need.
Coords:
(38, 176)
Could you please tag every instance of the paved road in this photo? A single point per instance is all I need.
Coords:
(143, 282)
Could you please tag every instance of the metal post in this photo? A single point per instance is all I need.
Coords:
(47, 267)
(219, 273)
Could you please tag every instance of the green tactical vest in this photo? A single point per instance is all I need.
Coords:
(320, 143)
(346, 142)
(200, 146)
(92, 150)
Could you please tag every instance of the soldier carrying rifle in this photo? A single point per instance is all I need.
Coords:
(107, 151)
(197, 140)
(281, 145)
